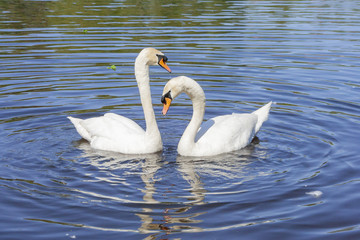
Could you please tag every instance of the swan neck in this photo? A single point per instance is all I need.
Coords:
(187, 141)
(143, 81)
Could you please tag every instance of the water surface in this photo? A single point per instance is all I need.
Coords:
(300, 181)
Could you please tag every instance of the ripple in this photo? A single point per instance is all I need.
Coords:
(301, 55)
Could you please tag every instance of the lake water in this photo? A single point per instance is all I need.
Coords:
(301, 181)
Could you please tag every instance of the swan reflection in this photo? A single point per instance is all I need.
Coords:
(157, 214)
(147, 163)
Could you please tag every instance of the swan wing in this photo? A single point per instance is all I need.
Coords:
(226, 133)
(112, 126)
(127, 123)
(113, 132)
(230, 132)
(116, 133)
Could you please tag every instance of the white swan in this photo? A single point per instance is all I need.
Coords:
(116, 133)
(218, 135)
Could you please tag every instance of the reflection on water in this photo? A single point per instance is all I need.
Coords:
(302, 55)
(171, 217)
(148, 165)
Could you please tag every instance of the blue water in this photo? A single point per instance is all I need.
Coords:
(300, 181)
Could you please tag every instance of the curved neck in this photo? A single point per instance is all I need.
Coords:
(143, 81)
(197, 96)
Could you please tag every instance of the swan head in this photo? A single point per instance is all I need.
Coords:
(153, 57)
(177, 85)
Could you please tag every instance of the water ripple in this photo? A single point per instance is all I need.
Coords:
(302, 55)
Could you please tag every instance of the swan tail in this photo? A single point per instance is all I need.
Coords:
(262, 114)
(79, 128)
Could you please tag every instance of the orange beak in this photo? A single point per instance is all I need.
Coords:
(166, 106)
(163, 64)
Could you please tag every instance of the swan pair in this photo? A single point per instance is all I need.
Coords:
(218, 135)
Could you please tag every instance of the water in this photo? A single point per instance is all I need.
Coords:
(300, 181)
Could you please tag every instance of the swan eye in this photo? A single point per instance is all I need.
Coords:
(162, 57)
(167, 95)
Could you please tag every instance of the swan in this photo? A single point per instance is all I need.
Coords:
(116, 133)
(219, 134)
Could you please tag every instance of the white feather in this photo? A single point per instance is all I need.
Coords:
(219, 134)
(114, 132)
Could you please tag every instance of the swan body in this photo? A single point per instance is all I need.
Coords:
(116, 133)
(217, 135)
